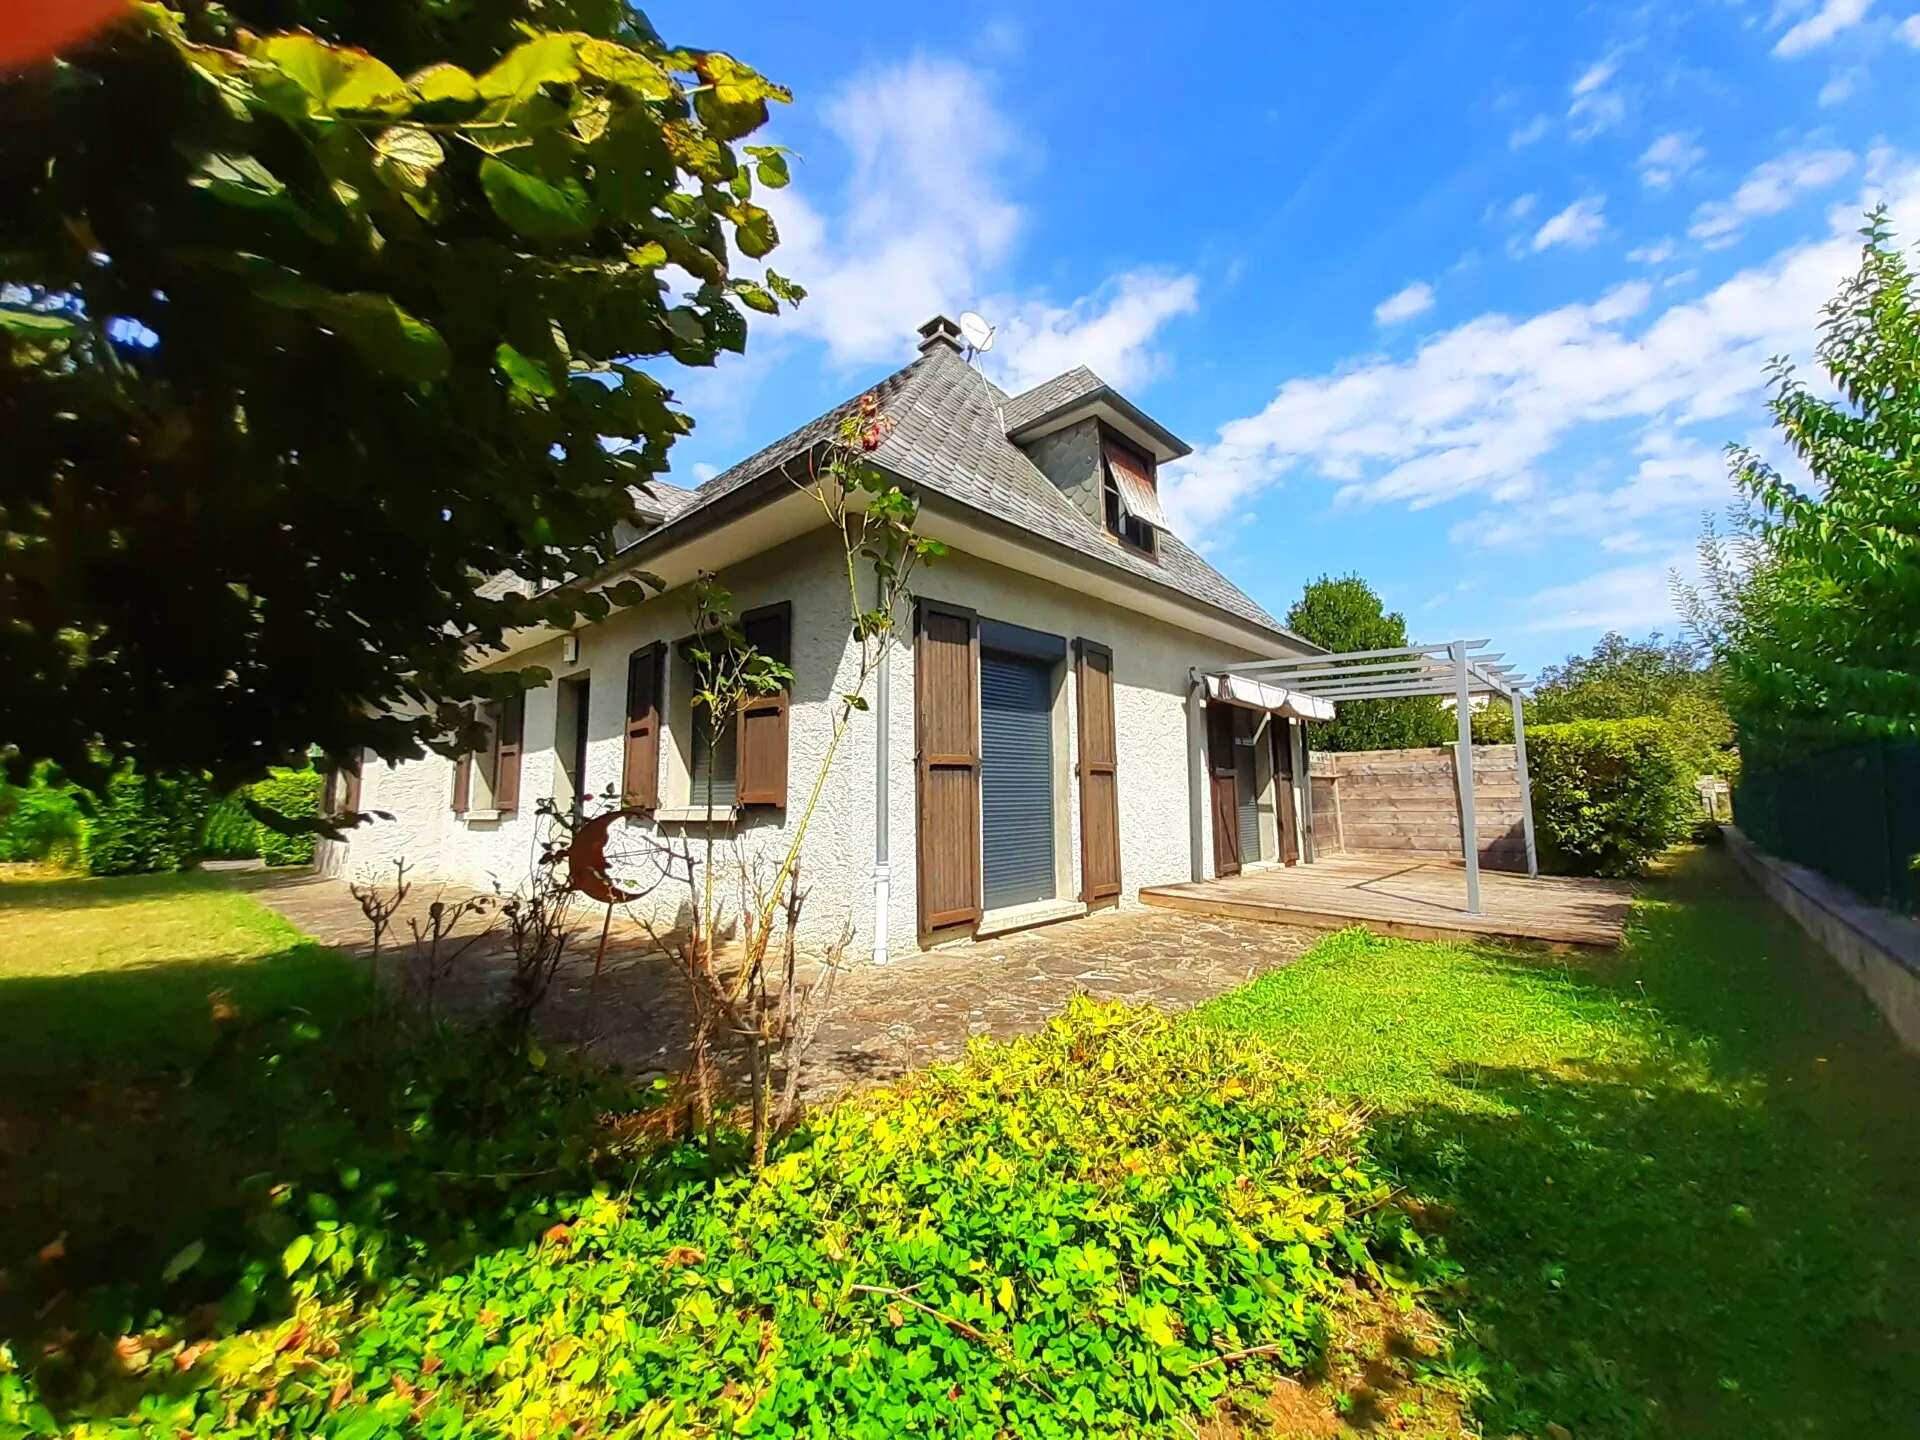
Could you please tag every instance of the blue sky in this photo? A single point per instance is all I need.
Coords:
(1467, 298)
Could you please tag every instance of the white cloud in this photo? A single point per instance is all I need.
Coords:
(1909, 31)
(1657, 253)
(1110, 333)
(1819, 28)
(1416, 299)
(1579, 225)
(1668, 158)
(923, 216)
(1838, 90)
(1535, 129)
(1630, 597)
(1502, 408)
(1771, 188)
(923, 227)
(1522, 206)
(1595, 108)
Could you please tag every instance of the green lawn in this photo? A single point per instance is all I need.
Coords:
(1683, 1183)
(1680, 1184)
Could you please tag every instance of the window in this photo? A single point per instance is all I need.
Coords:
(488, 781)
(746, 762)
(715, 765)
(1129, 496)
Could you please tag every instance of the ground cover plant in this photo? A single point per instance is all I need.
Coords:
(382, 1229)
(1679, 1183)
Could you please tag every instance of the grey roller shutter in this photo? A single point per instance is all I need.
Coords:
(1016, 778)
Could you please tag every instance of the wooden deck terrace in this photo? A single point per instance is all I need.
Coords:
(1417, 899)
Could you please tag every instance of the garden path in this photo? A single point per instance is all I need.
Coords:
(879, 1022)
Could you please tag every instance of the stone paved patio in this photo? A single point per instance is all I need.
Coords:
(881, 1021)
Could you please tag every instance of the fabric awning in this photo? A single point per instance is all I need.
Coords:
(1258, 695)
(1137, 495)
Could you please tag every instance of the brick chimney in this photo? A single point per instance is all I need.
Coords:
(939, 333)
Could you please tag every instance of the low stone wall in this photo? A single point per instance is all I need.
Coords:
(1389, 801)
(1879, 949)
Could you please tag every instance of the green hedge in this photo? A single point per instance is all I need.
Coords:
(41, 822)
(1608, 795)
(295, 793)
(144, 825)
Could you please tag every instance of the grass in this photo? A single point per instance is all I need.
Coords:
(1681, 1182)
(120, 1129)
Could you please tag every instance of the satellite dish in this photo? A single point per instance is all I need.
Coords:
(977, 332)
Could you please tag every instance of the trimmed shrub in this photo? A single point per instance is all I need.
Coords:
(294, 793)
(230, 833)
(1608, 795)
(40, 822)
(233, 834)
(144, 825)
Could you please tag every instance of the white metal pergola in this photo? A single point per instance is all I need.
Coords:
(1460, 668)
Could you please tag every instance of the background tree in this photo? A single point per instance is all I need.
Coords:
(1346, 614)
(305, 333)
(1654, 679)
(1812, 604)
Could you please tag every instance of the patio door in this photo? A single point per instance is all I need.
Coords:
(1223, 773)
(1283, 790)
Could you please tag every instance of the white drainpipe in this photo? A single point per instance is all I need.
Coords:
(882, 867)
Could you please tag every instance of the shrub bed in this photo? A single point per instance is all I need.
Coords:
(144, 825)
(1608, 795)
(1096, 1231)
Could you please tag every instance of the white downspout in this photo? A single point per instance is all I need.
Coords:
(1199, 800)
(882, 752)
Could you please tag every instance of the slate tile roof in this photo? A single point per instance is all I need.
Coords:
(950, 438)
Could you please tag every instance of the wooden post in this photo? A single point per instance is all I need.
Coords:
(1526, 785)
(1463, 764)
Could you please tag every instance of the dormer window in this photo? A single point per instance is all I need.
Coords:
(1130, 495)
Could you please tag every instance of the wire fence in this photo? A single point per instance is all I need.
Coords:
(1852, 814)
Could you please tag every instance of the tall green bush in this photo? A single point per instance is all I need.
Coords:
(40, 822)
(1608, 795)
(143, 825)
(293, 793)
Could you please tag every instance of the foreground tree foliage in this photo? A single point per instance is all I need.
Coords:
(1346, 614)
(1813, 604)
(305, 332)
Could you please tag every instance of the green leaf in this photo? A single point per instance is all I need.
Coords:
(526, 373)
(771, 165)
(188, 1257)
(296, 1254)
(620, 65)
(387, 337)
(333, 77)
(733, 102)
(406, 156)
(444, 82)
(241, 180)
(547, 59)
(534, 208)
(753, 230)
(632, 168)
(754, 297)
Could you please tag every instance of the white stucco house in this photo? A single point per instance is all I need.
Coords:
(1049, 734)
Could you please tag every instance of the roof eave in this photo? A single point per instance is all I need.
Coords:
(1109, 405)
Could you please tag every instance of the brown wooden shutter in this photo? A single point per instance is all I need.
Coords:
(946, 684)
(1099, 775)
(507, 744)
(1224, 773)
(640, 769)
(761, 753)
(462, 782)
